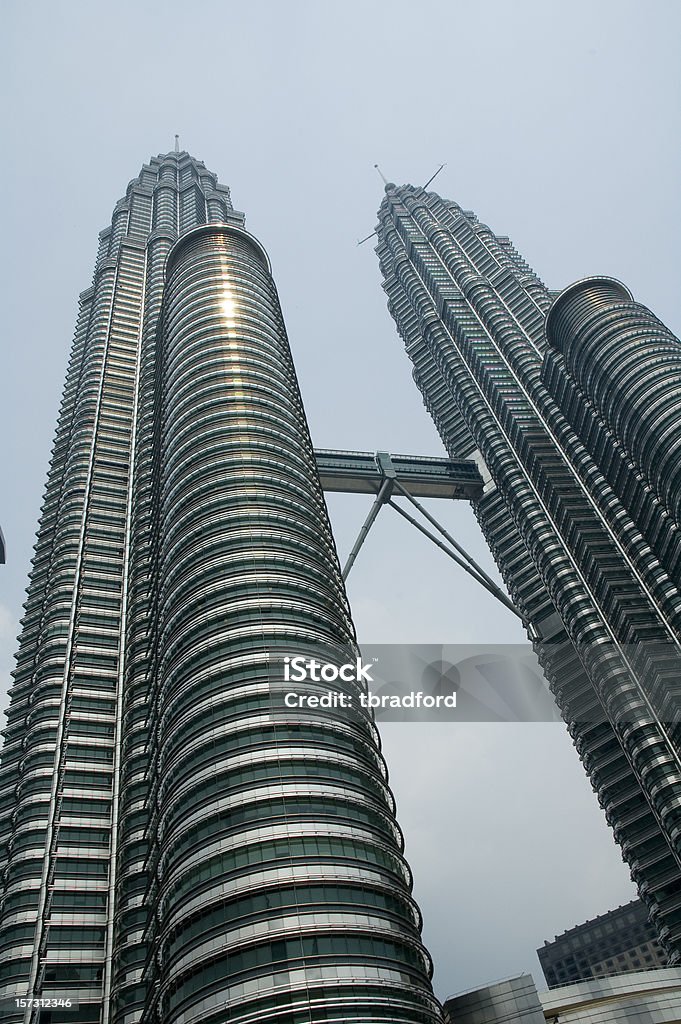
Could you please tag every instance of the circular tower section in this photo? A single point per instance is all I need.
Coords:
(282, 894)
(628, 365)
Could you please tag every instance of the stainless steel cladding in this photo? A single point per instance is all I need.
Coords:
(585, 548)
(176, 845)
(627, 365)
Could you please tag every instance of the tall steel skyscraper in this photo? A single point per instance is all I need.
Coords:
(579, 439)
(176, 845)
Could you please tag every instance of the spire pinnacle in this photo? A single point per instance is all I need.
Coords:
(383, 177)
(177, 143)
(432, 178)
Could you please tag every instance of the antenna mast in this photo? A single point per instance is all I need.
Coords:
(434, 175)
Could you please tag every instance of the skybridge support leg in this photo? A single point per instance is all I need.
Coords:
(381, 498)
(359, 472)
(466, 562)
(480, 573)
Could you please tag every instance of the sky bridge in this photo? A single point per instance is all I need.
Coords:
(388, 477)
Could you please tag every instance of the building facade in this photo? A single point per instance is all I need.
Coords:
(514, 1000)
(587, 546)
(621, 940)
(177, 845)
(650, 996)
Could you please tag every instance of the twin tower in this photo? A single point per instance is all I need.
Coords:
(175, 846)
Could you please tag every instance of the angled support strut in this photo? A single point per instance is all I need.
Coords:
(381, 498)
(357, 471)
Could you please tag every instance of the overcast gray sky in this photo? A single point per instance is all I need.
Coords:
(558, 122)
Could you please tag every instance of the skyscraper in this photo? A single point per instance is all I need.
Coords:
(621, 940)
(177, 846)
(579, 442)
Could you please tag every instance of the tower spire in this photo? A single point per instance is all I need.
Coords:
(177, 143)
(434, 176)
